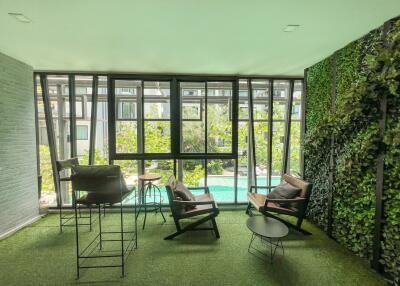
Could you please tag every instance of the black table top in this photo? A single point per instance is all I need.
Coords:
(267, 227)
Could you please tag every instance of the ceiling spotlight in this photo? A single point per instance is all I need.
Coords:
(291, 28)
(20, 17)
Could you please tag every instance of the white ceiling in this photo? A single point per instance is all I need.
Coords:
(185, 36)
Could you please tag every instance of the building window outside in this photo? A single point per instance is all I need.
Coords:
(81, 132)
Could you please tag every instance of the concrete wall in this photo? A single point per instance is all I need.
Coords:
(18, 168)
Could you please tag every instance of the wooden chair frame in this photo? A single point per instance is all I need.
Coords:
(211, 213)
(265, 209)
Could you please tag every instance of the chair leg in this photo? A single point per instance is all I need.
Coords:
(296, 227)
(299, 222)
(191, 227)
(101, 239)
(61, 223)
(214, 223)
(77, 241)
(248, 209)
(90, 218)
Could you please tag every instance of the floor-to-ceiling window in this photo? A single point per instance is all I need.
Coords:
(196, 128)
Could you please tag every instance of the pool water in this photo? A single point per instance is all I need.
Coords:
(222, 187)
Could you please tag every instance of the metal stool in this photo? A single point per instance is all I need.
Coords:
(146, 192)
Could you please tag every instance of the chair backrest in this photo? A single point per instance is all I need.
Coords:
(303, 185)
(170, 187)
(98, 179)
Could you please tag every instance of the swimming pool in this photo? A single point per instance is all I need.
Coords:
(222, 187)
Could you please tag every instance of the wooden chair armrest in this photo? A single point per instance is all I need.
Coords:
(295, 200)
(191, 203)
(261, 187)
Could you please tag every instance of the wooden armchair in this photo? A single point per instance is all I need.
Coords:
(293, 207)
(203, 206)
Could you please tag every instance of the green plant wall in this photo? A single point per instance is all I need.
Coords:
(357, 77)
(317, 139)
(387, 76)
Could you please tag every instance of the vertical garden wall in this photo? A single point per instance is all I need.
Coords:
(352, 147)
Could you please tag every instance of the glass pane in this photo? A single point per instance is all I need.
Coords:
(59, 95)
(192, 107)
(219, 125)
(295, 130)
(261, 146)
(278, 137)
(243, 131)
(192, 110)
(83, 91)
(129, 169)
(59, 100)
(157, 137)
(297, 94)
(281, 95)
(221, 180)
(192, 173)
(48, 193)
(260, 90)
(101, 152)
(126, 93)
(165, 168)
(280, 100)
(294, 148)
(193, 140)
(126, 136)
(156, 98)
(126, 109)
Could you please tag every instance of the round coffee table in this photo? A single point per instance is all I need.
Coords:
(146, 203)
(270, 231)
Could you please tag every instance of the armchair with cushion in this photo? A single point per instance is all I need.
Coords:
(283, 200)
(185, 205)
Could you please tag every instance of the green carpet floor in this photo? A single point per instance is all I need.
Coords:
(40, 255)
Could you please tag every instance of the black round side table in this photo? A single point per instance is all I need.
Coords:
(270, 231)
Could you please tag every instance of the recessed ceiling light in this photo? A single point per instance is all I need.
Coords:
(20, 17)
(291, 28)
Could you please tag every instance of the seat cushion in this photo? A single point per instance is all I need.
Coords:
(182, 192)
